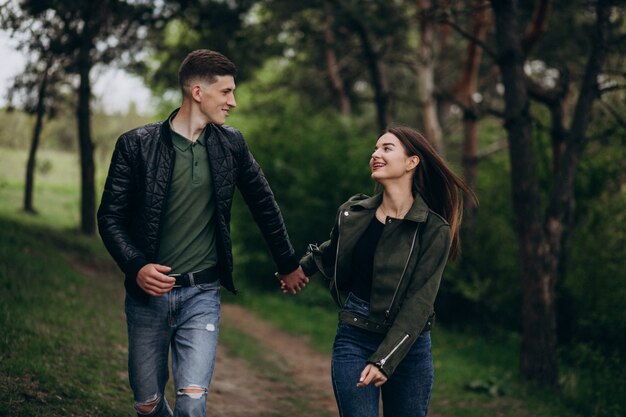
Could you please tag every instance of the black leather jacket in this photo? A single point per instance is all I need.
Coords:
(136, 190)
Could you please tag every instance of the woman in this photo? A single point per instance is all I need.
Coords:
(385, 259)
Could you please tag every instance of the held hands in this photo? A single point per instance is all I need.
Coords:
(371, 374)
(152, 279)
(293, 282)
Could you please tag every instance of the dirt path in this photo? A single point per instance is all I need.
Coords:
(239, 390)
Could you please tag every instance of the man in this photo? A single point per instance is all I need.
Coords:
(165, 219)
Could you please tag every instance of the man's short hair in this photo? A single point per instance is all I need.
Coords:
(204, 65)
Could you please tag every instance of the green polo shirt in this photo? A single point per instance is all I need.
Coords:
(188, 232)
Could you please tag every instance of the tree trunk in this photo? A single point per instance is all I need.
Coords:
(466, 88)
(541, 245)
(331, 63)
(426, 77)
(34, 145)
(537, 26)
(87, 166)
(378, 74)
(539, 355)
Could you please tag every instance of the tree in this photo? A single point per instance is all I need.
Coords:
(38, 85)
(44, 102)
(332, 66)
(88, 34)
(541, 235)
(426, 74)
(229, 27)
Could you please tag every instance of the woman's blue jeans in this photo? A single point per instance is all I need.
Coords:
(185, 319)
(406, 393)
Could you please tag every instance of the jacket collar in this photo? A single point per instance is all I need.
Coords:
(166, 133)
(418, 212)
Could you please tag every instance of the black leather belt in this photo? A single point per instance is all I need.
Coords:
(191, 279)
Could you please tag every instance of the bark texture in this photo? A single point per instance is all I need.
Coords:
(541, 235)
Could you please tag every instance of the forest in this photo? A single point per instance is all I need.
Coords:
(525, 99)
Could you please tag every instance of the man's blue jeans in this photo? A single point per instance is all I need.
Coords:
(406, 393)
(186, 318)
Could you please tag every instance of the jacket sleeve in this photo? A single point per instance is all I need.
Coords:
(321, 258)
(115, 211)
(260, 199)
(418, 302)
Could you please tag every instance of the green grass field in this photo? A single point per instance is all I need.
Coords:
(63, 349)
(63, 345)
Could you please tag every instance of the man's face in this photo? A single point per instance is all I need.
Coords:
(217, 99)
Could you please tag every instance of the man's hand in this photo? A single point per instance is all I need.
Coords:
(371, 374)
(152, 279)
(293, 282)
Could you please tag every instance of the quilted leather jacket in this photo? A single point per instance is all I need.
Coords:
(136, 189)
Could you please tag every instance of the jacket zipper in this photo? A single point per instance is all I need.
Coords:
(382, 362)
(337, 259)
(406, 265)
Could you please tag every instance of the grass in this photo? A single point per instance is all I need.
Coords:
(63, 338)
(56, 196)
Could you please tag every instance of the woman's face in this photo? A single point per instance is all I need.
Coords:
(389, 160)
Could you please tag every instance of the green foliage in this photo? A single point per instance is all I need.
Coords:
(592, 290)
(482, 287)
(313, 160)
(16, 129)
(222, 26)
(493, 385)
(59, 133)
(592, 380)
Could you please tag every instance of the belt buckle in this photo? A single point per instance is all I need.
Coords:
(174, 276)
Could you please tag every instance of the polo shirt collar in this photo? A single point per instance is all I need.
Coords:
(182, 143)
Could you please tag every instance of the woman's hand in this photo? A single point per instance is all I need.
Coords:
(371, 374)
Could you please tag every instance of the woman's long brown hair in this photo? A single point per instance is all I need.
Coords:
(441, 188)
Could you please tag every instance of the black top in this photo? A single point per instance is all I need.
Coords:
(363, 260)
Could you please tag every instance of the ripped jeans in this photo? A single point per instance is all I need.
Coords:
(186, 318)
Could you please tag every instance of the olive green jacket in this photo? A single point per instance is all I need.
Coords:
(408, 263)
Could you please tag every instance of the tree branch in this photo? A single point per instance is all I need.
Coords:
(589, 88)
(537, 26)
(618, 117)
(469, 37)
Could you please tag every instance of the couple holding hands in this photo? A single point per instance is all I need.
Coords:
(165, 219)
